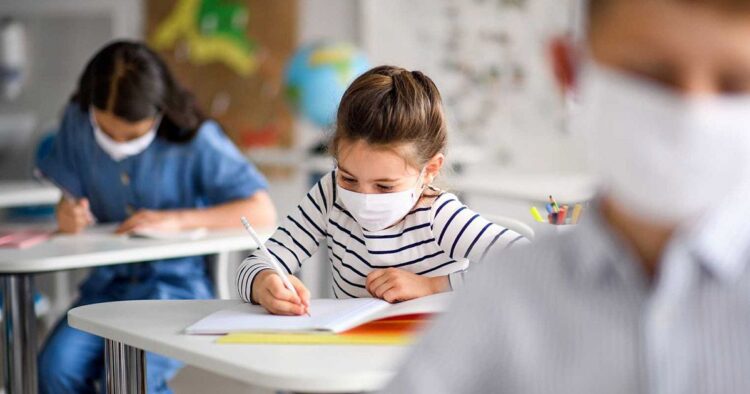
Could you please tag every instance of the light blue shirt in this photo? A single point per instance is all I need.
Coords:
(577, 314)
(205, 171)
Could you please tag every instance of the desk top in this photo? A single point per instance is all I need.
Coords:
(157, 326)
(27, 193)
(98, 246)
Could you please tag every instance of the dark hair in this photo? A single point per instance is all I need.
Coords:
(390, 105)
(131, 81)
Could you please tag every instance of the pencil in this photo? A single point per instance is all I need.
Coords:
(555, 207)
(276, 267)
(536, 215)
(577, 213)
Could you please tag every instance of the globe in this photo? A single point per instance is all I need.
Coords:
(317, 77)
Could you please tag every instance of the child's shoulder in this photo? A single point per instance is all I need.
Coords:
(437, 200)
(209, 133)
(434, 196)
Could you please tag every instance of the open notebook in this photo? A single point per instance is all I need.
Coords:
(326, 315)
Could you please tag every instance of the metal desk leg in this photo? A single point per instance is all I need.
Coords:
(126, 368)
(221, 274)
(19, 326)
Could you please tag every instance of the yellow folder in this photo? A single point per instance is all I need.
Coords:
(315, 339)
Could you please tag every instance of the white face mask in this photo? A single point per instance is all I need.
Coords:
(121, 150)
(375, 212)
(660, 156)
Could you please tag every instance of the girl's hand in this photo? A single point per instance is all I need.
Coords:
(152, 220)
(72, 217)
(269, 291)
(394, 285)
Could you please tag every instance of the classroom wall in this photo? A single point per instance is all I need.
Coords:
(61, 37)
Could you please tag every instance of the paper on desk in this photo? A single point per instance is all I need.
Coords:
(326, 315)
(399, 330)
(249, 338)
(190, 235)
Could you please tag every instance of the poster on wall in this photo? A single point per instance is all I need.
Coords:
(231, 55)
(489, 59)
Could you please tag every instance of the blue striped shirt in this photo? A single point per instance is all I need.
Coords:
(578, 315)
(440, 236)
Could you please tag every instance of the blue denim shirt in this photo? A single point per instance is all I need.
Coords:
(207, 170)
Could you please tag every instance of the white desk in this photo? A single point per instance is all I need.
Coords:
(27, 193)
(98, 247)
(132, 327)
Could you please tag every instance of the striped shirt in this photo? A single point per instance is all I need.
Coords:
(579, 315)
(440, 236)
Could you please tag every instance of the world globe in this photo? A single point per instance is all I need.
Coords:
(317, 76)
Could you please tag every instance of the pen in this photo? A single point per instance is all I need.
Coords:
(67, 196)
(536, 215)
(276, 266)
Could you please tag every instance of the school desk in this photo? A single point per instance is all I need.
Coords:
(27, 193)
(131, 328)
(96, 247)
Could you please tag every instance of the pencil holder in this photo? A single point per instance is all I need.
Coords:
(544, 229)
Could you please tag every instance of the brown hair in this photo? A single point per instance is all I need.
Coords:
(390, 106)
(596, 7)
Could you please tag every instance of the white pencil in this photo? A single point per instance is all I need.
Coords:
(276, 265)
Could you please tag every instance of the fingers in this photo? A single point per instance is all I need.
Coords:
(270, 292)
(279, 307)
(86, 207)
(139, 219)
(378, 278)
(302, 291)
(381, 289)
(73, 216)
(279, 291)
(394, 294)
(375, 275)
(279, 300)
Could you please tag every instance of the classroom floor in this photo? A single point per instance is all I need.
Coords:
(192, 380)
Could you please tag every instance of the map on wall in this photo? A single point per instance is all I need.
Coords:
(488, 57)
(231, 55)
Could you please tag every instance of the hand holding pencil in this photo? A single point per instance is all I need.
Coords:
(275, 290)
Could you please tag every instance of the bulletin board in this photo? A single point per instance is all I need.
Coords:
(231, 55)
(489, 60)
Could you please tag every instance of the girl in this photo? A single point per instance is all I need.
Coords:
(390, 234)
(133, 148)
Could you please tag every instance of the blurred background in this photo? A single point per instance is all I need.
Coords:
(272, 73)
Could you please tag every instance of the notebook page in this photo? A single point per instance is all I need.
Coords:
(325, 315)
(189, 235)
(435, 303)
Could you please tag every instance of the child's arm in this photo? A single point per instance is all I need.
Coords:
(295, 241)
(464, 234)
(258, 207)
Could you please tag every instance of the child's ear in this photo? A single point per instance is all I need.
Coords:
(433, 167)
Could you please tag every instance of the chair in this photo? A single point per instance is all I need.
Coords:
(512, 224)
